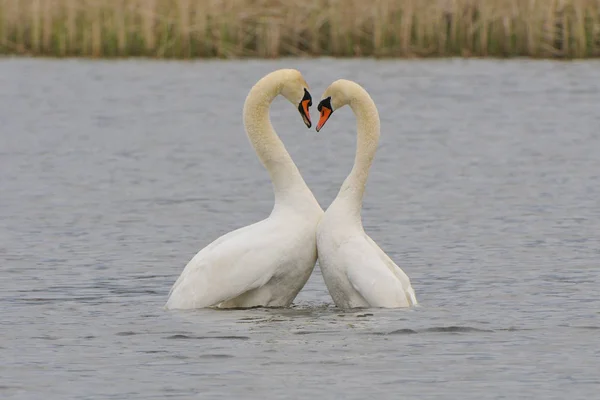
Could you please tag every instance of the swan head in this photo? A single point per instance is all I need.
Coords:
(337, 95)
(295, 90)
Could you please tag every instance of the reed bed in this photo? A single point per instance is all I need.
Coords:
(274, 28)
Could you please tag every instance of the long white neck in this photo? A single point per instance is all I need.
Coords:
(352, 191)
(288, 185)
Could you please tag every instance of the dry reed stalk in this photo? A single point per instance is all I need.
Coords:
(71, 27)
(528, 28)
(406, 23)
(273, 28)
(96, 30)
(48, 16)
(120, 23)
(3, 26)
(35, 15)
(147, 9)
(199, 28)
(595, 30)
(183, 26)
(485, 28)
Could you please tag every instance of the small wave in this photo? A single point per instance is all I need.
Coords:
(152, 277)
(180, 336)
(259, 308)
(437, 329)
(456, 329)
(51, 300)
(514, 329)
(126, 333)
(402, 332)
(312, 332)
(45, 337)
(216, 356)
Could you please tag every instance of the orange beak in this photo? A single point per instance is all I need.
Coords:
(304, 104)
(325, 114)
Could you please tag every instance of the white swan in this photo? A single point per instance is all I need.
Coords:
(356, 271)
(266, 263)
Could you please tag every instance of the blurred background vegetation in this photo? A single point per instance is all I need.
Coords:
(275, 28)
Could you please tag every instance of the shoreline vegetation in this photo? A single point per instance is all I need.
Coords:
(185, 29)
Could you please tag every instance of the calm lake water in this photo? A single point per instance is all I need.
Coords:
(485, 190)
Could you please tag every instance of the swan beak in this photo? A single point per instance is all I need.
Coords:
(303, 108)
(325, 114)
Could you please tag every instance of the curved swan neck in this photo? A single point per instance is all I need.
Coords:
(368, 130)
(288, 185)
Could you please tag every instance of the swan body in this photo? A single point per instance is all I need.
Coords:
(357, 273)
(266, 263)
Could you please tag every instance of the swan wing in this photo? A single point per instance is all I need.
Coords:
(396, 270)
(235, 263)
(371, 277)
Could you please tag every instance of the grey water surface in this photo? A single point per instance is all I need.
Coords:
(485, 190)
